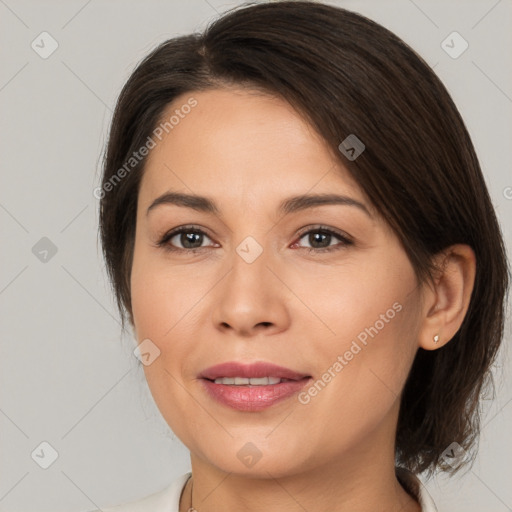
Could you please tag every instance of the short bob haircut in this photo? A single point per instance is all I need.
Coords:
(345, 74)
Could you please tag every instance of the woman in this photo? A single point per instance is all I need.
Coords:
(296, 225)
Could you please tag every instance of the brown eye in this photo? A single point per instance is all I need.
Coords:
(190, 239)
(320, 240)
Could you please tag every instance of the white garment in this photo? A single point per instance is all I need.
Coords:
(168, 499)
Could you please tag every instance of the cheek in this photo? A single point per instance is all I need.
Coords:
(166, 304)
(158, 294)
(162, 304)
(364, 356)
(359, 301)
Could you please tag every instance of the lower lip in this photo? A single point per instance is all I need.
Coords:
(253, 398)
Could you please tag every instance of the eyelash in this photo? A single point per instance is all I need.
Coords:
(345, 241)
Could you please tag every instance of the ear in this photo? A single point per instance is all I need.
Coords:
(446, 300)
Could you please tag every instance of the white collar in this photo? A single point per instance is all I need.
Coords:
(414, 486)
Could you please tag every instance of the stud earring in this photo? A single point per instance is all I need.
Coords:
(436, 338)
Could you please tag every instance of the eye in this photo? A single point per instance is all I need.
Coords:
(190, 238)
(320, 239)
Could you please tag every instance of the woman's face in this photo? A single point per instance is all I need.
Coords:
(261, 287)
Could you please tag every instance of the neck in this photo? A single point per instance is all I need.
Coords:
(361, 480)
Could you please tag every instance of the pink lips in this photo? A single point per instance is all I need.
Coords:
(247, 397)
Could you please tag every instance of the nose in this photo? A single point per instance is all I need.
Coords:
(251, 299)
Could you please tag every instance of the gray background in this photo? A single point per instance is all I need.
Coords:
(67, 376)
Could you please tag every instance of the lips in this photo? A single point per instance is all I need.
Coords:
(246, 397)
(252, 370)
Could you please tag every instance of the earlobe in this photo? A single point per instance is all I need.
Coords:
(447, 300)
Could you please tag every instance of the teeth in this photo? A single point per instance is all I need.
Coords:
(244, 381)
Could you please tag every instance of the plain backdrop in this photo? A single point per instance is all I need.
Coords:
(73, 395)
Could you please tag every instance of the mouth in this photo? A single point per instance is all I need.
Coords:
(251, 371)
(251, 387)
(253, 381)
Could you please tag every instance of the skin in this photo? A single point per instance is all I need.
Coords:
(248, 151)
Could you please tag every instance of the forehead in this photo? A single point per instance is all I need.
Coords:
(243, 144)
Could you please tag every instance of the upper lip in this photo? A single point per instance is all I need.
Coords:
(251, 370)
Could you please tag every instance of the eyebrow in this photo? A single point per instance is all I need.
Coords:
(289, 205)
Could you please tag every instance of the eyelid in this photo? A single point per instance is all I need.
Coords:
(321, 227)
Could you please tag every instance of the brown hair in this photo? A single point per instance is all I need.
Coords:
(347, 75)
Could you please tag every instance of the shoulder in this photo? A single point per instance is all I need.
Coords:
(165, 500)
